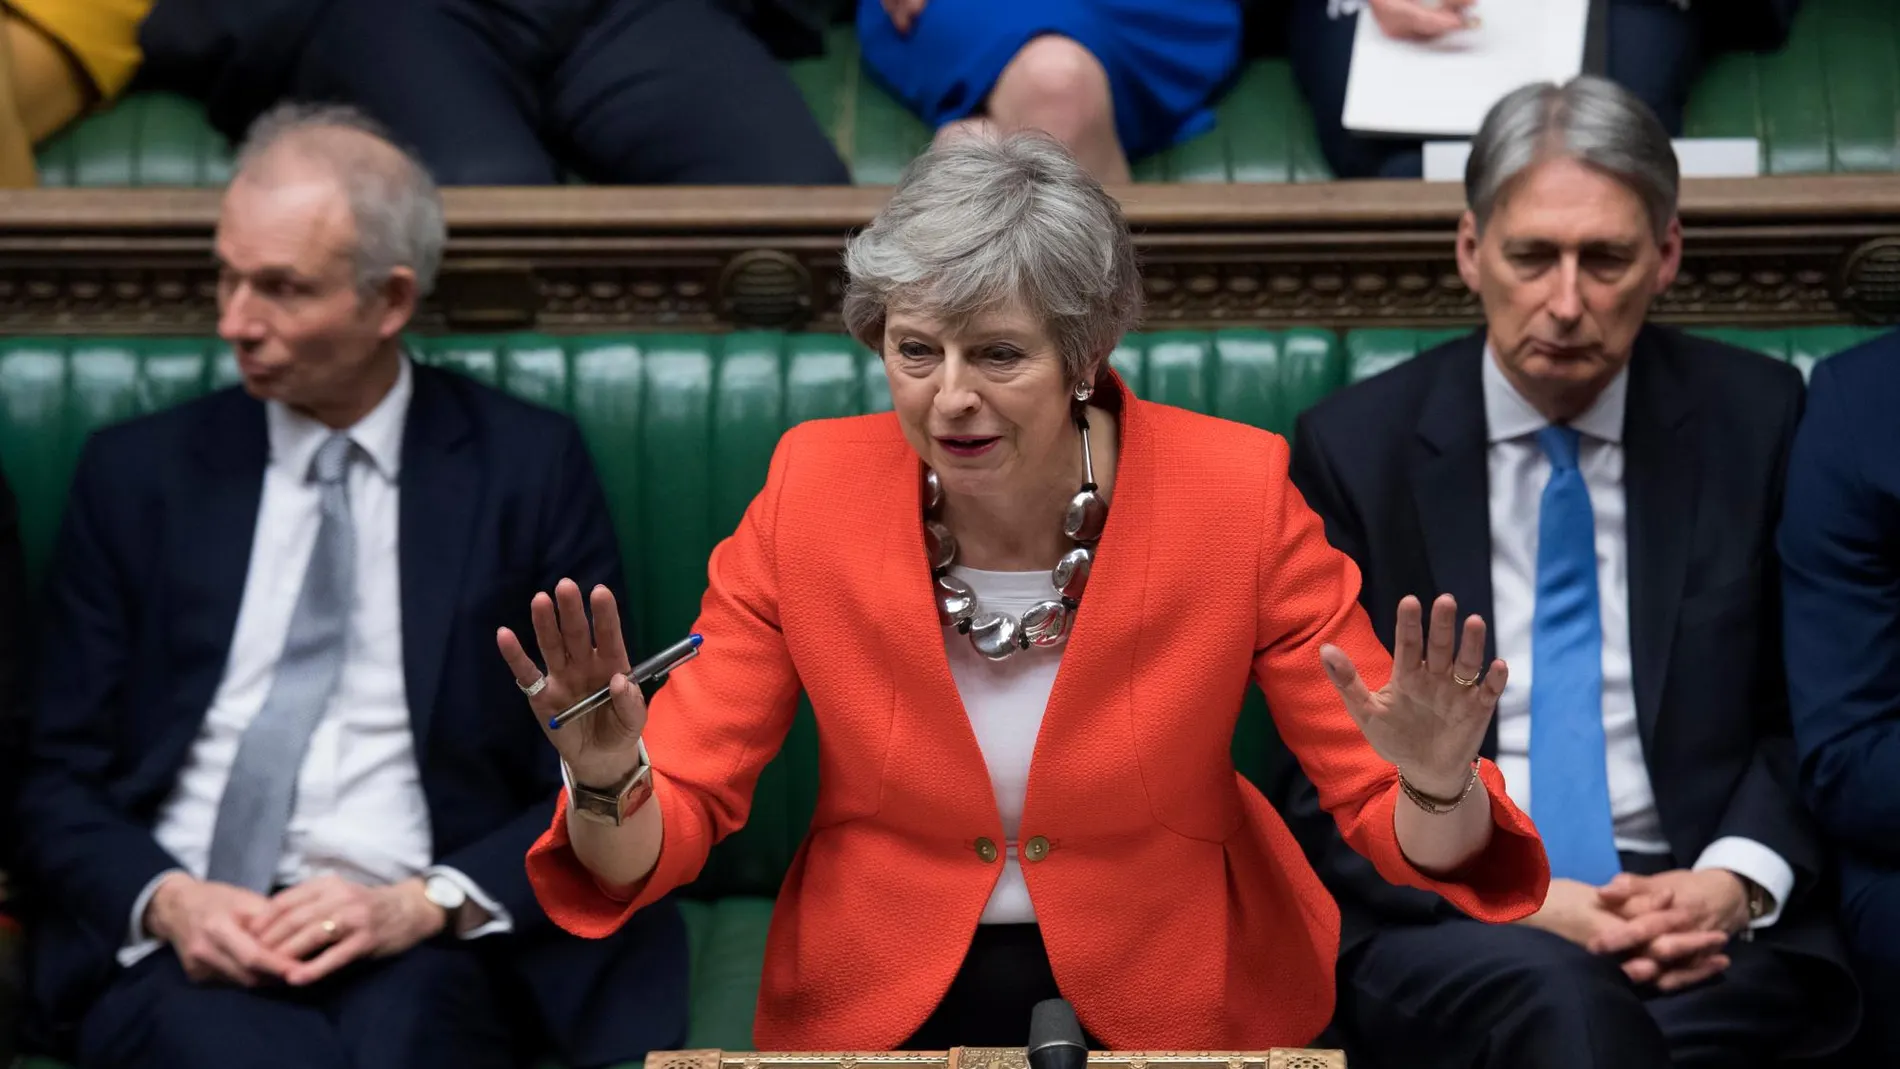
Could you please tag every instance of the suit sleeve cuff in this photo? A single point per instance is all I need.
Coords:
(138, 942)
(1752, 861)
(497, 921)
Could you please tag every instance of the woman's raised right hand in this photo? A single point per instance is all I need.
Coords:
(603, 746)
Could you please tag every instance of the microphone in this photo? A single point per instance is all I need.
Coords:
(1055, 1037)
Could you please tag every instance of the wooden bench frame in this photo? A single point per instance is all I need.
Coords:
(1763, 251)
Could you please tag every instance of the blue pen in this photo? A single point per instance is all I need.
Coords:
(645, 672)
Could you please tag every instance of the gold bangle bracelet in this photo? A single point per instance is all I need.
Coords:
(1434, 805)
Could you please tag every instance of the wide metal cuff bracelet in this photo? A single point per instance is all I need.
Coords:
(613, 804)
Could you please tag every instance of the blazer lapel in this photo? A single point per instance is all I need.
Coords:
(1661, 469)
(440, 496)
(213, 522)
(1450, 488)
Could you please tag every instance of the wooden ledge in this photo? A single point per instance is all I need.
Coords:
(1767, 251)
(998, 1058)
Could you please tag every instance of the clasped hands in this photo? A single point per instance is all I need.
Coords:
(1670, 929)
(297, 936)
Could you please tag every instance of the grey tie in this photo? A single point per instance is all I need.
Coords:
(248, 841)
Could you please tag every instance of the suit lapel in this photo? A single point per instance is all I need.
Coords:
(440, 496)
(208, 550)
(1450, 488)
(1661, 470)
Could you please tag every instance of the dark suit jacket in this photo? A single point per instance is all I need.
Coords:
(1396, 467)
(1841, 541)
(498, 500)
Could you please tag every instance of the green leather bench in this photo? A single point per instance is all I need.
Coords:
(710, 407)
(1824, 104)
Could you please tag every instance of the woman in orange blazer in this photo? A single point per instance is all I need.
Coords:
(1026, 787)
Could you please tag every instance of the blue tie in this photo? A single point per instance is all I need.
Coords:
(1570, 788)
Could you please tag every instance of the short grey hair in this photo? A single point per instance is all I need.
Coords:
(983, 220)
(393, 199)
(1589, 119)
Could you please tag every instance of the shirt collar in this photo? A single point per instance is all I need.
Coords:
(1508, 415)
(295, 437)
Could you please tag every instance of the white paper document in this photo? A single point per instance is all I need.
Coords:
(1442, 88)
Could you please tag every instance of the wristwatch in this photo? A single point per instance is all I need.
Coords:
(445, 894)
(614, 803)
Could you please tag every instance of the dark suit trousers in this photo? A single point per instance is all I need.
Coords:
(1652, 48)
(516, 92)
(1465, 995)
(435, 1006)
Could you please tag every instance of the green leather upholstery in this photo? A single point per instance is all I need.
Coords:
(682, 428)
(1825, 103)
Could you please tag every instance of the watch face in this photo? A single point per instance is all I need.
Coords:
(445, 893)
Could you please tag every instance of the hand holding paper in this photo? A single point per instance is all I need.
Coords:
(1422, 20)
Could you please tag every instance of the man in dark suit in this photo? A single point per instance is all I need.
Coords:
(1840, 547)
(1603, 493)
(521, 92)
(280, 792)
(1655, 48)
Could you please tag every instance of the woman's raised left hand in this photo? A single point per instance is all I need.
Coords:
(1430, 717)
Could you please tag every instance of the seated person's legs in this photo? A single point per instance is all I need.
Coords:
(1461, 994)
(1111, 79)
(1655, 51)
(155, 1017)
(431, 1007)
(1319, 37)
(1870, 912)
(1751, 1012)
(680, 92)
(443, 77)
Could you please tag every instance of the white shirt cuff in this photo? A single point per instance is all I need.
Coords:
(139, 942)
(499, 920)
(1752, 861)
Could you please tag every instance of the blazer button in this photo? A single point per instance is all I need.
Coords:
(1036, 849)
(986, 850)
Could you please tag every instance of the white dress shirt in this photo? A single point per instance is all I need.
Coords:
(1005, 701)
(359, 810)
(1518, 471)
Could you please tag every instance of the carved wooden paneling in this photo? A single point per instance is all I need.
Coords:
(998, 1058)
(1769, 251)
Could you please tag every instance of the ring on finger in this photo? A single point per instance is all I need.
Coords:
(1462, 681)
(531, 689)
(329, 929)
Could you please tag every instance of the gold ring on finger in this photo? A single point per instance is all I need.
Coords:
(329, 929)
(1462, 681)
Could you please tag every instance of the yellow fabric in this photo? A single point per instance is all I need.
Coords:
(102, 34)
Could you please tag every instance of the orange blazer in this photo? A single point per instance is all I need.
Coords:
(1178, 911)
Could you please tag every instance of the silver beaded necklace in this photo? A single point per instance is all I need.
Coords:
(997, 635)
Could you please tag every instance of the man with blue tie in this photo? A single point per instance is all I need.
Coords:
(1605, 491)
(274, 814)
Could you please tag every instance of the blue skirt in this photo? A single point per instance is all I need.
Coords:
(1167, 60)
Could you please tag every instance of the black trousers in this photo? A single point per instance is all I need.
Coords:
(1461, 994)
(1004, 974)
(518, 92)
(435, 1007)
(1653, 48)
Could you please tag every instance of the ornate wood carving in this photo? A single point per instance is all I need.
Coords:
(998, 1058)
(1768, 251)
